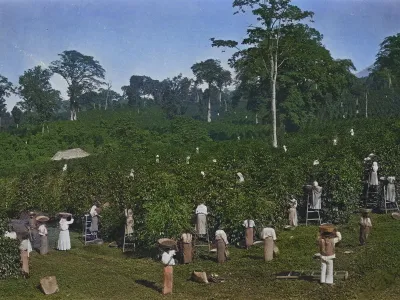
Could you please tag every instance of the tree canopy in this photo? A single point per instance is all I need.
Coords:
(81, 72)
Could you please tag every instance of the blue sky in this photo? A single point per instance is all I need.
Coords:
(162, 38)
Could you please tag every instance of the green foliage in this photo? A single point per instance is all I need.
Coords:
(9, 258)
(9, 252)
(38, 97)
(6, 88)
(81, 72)
(164, 195)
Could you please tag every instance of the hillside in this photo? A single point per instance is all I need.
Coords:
(121, 141)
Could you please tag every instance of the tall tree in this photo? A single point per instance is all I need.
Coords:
(6, 89)
(176, 95)
(224, 78)
(81, 72)
(17, 115)
(275, 18)
(207, 71)
(387, 64)
(38, 96)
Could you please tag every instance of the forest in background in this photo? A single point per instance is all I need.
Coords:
(283, 74)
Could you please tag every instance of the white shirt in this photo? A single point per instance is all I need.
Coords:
(247, 223)
(201, 209)
(167, 258)
(365, 222)
(221, 235)
(268, 232)
(293, 203)
(64, 224)
(93, 211)
(42, 230)
(11, 235)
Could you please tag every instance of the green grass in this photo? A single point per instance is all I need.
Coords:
(99, 272)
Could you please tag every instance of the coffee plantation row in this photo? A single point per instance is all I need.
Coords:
(163, 195)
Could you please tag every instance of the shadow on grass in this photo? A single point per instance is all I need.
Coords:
(255, 257)
(207, 257)
(150, 284)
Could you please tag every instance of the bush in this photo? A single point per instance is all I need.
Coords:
(9, 254)
(164, 195)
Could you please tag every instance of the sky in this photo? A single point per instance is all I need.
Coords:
(162, 38)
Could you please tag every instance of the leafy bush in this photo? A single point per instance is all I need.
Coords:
(9, 253)
(164, 195)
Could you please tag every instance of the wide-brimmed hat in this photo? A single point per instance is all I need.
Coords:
(167, 243)
(329, 228)
(42, 218)
(64, 214)
(365, 210)
(396, 215)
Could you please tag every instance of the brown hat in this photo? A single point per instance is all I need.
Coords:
(329, 228)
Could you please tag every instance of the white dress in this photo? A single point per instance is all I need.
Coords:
(64, 241)
(201, 212)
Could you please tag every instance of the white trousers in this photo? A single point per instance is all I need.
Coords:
(327, 271)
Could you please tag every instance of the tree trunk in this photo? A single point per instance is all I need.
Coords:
(274, 69)
(226, 106)
(209, 111)
(17, 125)
(366, 104)
(256, 118)
(209, 104)
(42, 128)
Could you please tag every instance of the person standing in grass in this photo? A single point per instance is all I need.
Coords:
(365, 226)
(64, 241)
(44, 247)
(25, 248)
(187, 247)
(222, 244)
(327, 239)
(168, 261)
(249, 233)
(268, 234)
(293, 212)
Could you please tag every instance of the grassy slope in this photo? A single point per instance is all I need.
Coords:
(373, 270)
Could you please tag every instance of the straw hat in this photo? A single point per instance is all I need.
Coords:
(42, 218)
(65, 214)
(167, 243)
(327, 228)
(365, 210)
(396, 215)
